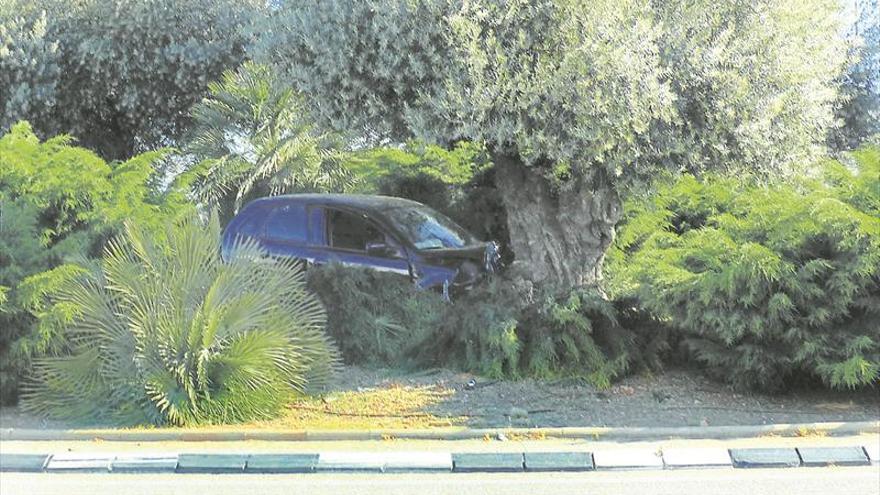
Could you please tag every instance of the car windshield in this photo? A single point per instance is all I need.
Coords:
(428, 229)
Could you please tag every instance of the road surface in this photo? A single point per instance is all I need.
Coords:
(799, 481)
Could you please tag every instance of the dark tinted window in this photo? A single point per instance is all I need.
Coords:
(288, 223)
(350, 231)
(252, 224)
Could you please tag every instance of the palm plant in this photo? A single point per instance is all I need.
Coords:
(167, 332)
(252, 135)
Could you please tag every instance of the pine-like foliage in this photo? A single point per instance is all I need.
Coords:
(59, 201)
(382, 319)
(376, 318)
(166, 332)
(767, 283)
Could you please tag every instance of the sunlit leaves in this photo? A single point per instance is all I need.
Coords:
(764, 282)
(252, 136)
(167, 332)
(632, 86)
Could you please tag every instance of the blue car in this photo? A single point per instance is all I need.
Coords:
(379, 232)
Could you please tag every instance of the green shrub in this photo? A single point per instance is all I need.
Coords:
(375, 318)
(382, 319)
(120, 75)
(767, 284)
(59, 202)
(164, 331)
(252, 136)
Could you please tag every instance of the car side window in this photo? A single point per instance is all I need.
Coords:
(288, 223)
(351, 231)
(251, 226)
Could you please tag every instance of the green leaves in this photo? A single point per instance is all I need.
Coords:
(253, 136)
(58, 203)
(634, 86)
(120, 75)
(165, 331)
(764, 282)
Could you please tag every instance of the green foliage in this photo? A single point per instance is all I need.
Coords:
(252, 137)
(625, 86)
(382, 319)
(379, 168)
(119, 75)
(167, 332)
(859, 105)
(766, 283)
(754, 82)
(58, 203)
(29, 68)
(458, 182)
(375, 317)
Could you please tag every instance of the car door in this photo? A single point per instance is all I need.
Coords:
(346, 234)
(286, 232)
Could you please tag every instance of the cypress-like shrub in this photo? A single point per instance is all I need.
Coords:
(765, 283)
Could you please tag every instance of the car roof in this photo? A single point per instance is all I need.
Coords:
(364, 202)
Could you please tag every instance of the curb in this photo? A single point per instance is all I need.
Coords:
(587, 433)
(442, 462)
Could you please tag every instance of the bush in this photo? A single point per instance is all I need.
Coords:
(59, 202)
(166, 332)
(382, 319)
(375, 318)
(118, 74)
(767, 284)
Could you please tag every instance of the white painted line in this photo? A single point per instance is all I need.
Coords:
(417, 461)
(873, 452)
(350, 461)
(80, 461)
(696, 457)
(628, 459)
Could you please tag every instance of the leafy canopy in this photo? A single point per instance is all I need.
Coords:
(120, 75)
(625, 86)
(859, 108)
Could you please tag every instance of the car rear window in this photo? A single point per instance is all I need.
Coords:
(288, 223)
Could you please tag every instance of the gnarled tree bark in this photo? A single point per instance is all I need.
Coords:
(558, 237)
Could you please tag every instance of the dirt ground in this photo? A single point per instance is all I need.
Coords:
(674, 398)
(387, 398)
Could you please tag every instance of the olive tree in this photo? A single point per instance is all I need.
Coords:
(119, 75)
(859, 106)
(576, 101)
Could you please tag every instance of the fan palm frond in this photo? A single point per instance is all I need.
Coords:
(253, 134)
(169, 333)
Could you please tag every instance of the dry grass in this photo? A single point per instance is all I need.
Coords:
(389, 407)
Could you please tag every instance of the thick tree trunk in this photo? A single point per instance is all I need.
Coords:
(557, 237)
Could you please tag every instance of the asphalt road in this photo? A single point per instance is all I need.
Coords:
(800, 481)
